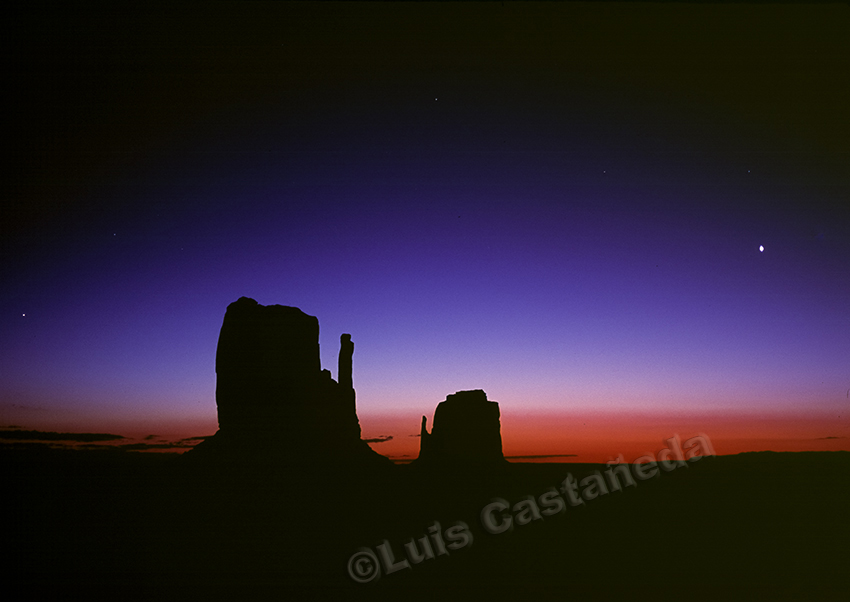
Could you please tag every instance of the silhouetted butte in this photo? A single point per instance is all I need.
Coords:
(466, 431)
(275, 402)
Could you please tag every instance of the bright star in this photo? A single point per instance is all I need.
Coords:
(761, 248)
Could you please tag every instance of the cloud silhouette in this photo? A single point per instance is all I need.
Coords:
(146, 446)
(19, 435)
(18, 446)
(380, 439)
(198, 438)
(185, 443)
(13, 439)
(543, 456)
(823, 438)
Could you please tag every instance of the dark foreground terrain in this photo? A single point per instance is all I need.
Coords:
(102, 525)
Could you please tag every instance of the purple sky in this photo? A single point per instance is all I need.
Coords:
(560, 204)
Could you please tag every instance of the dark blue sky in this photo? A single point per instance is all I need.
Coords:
(561, 204)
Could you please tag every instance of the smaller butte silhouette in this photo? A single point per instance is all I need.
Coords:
(275, 402)
(466, 431)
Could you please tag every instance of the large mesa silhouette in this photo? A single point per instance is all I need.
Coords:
(275, 402)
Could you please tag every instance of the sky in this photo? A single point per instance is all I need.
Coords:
(622, 221)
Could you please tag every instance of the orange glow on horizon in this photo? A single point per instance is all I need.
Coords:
(578, 437)
(602, 436)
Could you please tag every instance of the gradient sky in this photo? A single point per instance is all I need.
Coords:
(561, 204)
